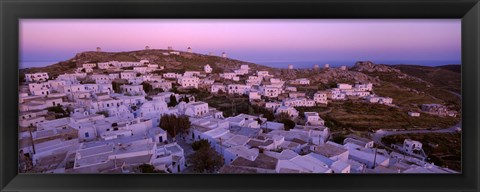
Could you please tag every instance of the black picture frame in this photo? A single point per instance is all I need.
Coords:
(11, 11)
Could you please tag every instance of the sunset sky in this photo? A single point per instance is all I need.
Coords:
(415, 41)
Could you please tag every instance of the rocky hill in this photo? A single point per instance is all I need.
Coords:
(182, 62)
(446, 77)
(369, 66)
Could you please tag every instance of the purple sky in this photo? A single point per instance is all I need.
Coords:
(250, 40)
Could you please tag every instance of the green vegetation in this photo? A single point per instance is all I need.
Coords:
(318, 109)
(408, 91)
(362, 116)
(173, 101)
(205, 159)
(59, 111)
(202, 143)
(288, 124)
(230, 105)
(117, 83)
(443, 149)
(174, 125)
(147, 168)
(104, 113)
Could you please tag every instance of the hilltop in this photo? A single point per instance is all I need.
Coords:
(183, 62)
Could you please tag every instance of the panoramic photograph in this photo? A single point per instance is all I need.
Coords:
(239, 96)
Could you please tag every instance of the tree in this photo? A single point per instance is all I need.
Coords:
(147, 168)
(281, 116)
(147, 87)
(174, 125)
(206, 160)
(59, 111)
(184, 99)
(173, 101)
(288, 124)
(104, 113)
(202, 143)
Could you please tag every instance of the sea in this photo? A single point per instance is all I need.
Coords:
(310, 64)
(30, 64)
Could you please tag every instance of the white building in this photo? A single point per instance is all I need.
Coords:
(270, 91)
(207, 68)
(128, 75)
(312, 118)
(413, 114)
(89, 65)
(171, 75)
(244, 69)
(228, 75)
(238, 89)
(343, 86)
(133, 89)
(303, 81)
(33, 77)
(298, 102)
(188, 81)
(320, 97)
(262, 73)
(254, 95)
(364, 87)
(196, 109)
(292, 112)
(336, 94)
(272, 105)
(217, 87)
(410, 146)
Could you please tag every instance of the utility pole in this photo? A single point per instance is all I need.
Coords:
(31, 138)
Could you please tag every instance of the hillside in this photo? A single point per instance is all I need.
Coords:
(408, 85)
(445, 77)
(182, 62)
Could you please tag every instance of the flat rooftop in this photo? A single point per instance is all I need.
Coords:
(329, 150)
(262, 161)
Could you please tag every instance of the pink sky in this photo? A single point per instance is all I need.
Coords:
(250, 40)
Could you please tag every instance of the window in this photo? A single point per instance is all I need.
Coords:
(87, 134)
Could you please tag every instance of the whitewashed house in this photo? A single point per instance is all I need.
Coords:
(272, 105)
(128, 75)
(336, 94)
(132, 89)
(238, 89)
(228, 75)
(207, 68)
(413, 114)
(33, 77)
(254, 95)
(196, 109)
(270, 91)
(312, 118)
(188, 81)
(303, 81)
(321, 97)
(343, 86)
(217, 87)
(292, 112)
(364, 87)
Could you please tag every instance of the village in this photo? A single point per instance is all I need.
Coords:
(132, 117)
